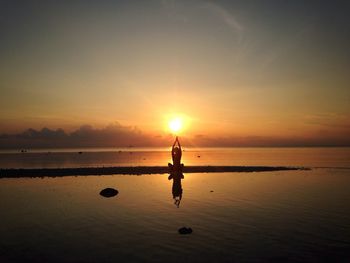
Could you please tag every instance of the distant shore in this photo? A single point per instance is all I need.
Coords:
(135, 170)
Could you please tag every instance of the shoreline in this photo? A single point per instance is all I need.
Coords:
(134, 170)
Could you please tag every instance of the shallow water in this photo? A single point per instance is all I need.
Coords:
(61, 158)
(287, 216)
(282, 216)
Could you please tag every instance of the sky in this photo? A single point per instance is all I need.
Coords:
(239, 73)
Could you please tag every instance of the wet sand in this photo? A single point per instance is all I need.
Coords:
(135, 170)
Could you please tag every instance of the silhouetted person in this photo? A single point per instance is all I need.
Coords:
(175, 171)
(176, 152)
(176, 167)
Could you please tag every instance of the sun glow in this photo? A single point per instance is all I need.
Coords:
(175, 125)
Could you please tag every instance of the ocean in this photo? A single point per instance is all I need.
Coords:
(281, 216)
(99, 157)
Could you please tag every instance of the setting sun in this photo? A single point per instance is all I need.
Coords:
(175, 125)
(174, 130)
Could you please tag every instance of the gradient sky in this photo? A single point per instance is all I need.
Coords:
(234, 69)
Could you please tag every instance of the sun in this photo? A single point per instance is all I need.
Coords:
(175, 124)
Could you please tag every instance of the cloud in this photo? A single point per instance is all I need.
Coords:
(116, 135)
(321, 139)
(86, 136)
(228, 18)
(174, 10)
(339, 121)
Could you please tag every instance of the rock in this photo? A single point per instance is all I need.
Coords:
(185, 230)
(211, 191)
(109, 192)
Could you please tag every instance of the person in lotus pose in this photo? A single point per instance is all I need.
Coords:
(176, 167)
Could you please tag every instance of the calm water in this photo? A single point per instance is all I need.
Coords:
(290, 216)
(312, 157)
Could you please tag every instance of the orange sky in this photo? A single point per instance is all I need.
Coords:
(232, 69)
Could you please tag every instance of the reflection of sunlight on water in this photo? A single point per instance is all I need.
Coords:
(246, 214)
(334, 157)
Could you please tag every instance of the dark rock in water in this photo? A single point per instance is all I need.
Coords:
(109, 192)
(185, 230)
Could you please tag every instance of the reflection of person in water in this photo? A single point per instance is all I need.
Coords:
(177, 191)
(176, 171)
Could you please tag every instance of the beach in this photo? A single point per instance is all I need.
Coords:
(174, 131)
(136, 170)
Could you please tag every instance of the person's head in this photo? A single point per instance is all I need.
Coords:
(177, 149)
(177, 152)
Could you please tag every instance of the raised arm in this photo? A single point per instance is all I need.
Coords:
(178, 142)
(174, 144)
(172, 149)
